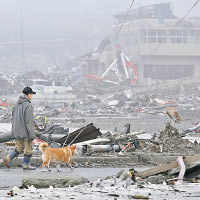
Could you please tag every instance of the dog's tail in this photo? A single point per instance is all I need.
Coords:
(43, 147)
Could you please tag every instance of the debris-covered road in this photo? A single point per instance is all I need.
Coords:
(106, 190)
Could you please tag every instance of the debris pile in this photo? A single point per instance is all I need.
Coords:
(171, 141)
(167, 141)
(91, 141)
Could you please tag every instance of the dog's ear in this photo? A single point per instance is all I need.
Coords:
(74, 146)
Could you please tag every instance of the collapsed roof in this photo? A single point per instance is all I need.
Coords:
(155, 11)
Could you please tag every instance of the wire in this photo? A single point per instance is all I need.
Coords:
(188, 13)
(74, 138)
(125, 18)
(178, 24)
(65, 140)
(78, 135)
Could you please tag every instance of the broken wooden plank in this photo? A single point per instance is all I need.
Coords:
(130, 135)
(167, 167)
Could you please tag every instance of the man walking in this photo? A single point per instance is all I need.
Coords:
(22, 129)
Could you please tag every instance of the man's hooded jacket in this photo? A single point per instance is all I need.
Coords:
(22, 119)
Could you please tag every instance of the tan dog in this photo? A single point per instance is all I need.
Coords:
(57, 155)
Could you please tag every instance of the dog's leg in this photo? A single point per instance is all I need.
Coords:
(70, 167)
(43, 166)
(48, 168)
(68, 162)
(58, 166)
(48, 165)
(45, 162)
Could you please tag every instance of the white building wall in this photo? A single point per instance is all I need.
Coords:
(169, 53)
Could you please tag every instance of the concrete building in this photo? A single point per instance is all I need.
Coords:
(159, 44)
(156, 41)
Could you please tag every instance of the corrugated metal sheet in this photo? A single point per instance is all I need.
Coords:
(88, 132)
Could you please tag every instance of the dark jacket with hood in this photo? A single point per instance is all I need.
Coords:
(22, 119)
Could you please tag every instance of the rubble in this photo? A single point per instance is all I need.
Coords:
(5, 137)
(159, 179)
(59, 135)
(111, 187)
(167, 141)
(189, 130)
(131, 125)
(164, 174)
(89, 149)
(172, 141)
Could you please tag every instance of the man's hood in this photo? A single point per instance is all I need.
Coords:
(23, 98)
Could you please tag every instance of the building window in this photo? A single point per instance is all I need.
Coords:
(172, 36)
(194, 37)
(155, 36)
(177, 36)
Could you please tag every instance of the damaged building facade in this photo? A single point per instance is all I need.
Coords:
(96, 62)
(160, 45)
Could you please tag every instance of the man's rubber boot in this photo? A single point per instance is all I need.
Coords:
(26, 164)
(9, 158)
(28, 167)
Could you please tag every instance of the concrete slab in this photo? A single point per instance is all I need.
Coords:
(46, 180)
(13, 177)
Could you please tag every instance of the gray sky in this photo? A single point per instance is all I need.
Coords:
(56, 19)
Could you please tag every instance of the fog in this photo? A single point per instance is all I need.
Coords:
(54, 30)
